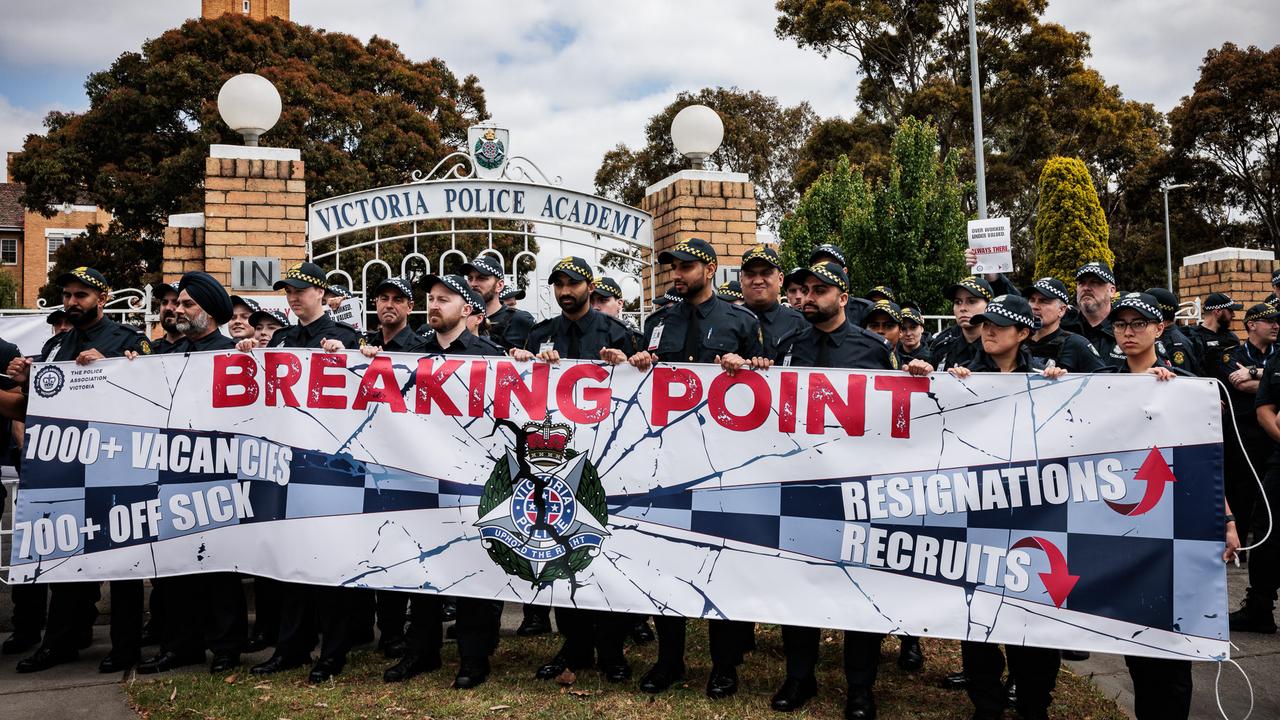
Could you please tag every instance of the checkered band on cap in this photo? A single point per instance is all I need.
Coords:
(910, 313)
(886, 307)
(821, 271)
(1095, 268)
(296, 273)
(571, 264)
(398, 283)
(1261, 311)
(696, 252)
(1226, 303)
(761, 252)
(276, 314)
(486, 264)
(453, 282)
(972, 286)
(1135, 301)
(997, 307)
(1275, 278)
(728, 290)
(1046, 288)
(607, 285)
(83, 275)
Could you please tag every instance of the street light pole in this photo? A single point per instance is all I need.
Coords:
(1168, 246)
(975, 85)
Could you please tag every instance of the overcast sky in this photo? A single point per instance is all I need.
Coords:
(571, 79)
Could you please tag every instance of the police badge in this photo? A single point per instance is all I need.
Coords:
(542, 514)
(488, 146)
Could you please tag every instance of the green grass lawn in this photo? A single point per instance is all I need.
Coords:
(512, 692)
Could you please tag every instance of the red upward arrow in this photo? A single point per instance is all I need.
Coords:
(1155, 472)
(1058, 581)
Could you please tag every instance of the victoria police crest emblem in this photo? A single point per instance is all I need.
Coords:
(489, 148)
(542, 514)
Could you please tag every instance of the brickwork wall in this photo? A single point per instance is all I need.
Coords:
(183, 251)
(258, 9)
(720, 212)
(33, 255)
(1248, 282)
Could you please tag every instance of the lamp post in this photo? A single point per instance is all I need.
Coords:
(1168, 246)
(696, 131)
(250, 105)
(975, 87)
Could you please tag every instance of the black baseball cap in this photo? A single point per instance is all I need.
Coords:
(607, 287)
(762, 253)
(302, 275)
(730, 291)
(511, 292)
(56, 316)
(459, 285)
(1007, 310)
(1275, 277)
(247, 302)
(1048, 287)
(912, 314)
(165, 288)
(828, 251)
(1145, 305)
(483, 264)
(1221, 301)
(86, 275)
(399, 284)
(574, 268)
(828, 272)
(338, 290)
(883, 291)
(670, 296)
(269, 314)
(693, 249)
(975, 286)
(1168, 302)
(1262, 311)
(888, 307)
(1098, 269)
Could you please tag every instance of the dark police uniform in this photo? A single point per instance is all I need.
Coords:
(29, 600)
(587, 633)
(1180, 350)
(1161, 687)
(1257, 614)
(1241, 487)
(1213, 345)
(950, 349)
(1102, 337)
(314, 333)
(1067, 350)
(699, 333)
(404, 341)
(162, 345)
(509, 327)
(776, 323)
(72, 605)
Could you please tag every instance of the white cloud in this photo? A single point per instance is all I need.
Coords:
(15, 124)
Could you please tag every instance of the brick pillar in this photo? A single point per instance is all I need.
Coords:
(718, 207)
(1243, 274)
(255, 205)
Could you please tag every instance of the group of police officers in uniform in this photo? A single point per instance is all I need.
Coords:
(822, 324)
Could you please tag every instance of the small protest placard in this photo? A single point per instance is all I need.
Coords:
(990, 240)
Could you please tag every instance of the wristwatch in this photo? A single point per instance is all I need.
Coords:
(1230, 519)
(1253, 373)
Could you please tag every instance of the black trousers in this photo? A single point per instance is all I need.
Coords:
(1034, 669)
(30, 609)
(204, 611)
(306, 610)
(126, 617)
(861, 655)
(1240, 486)
(1264, 560)
(592, 634)
(424, 635)
(542, 612)
(1161, 687)
(478, 623)
(73, 607)
(266, 607)
(729, 640)
(392, 607)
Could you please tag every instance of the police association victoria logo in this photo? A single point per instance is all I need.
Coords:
(489, 151)
(48, 381)
(543, 516)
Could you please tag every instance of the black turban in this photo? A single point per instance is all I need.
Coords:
(208, 294)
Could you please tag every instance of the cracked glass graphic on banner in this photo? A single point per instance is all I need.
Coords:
(1080, 513)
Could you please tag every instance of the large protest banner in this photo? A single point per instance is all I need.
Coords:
(1079, 513)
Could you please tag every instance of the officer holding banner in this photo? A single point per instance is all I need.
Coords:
(72, 606)
(700, 329)
(761, 283)
(579, 332)
(167, 309)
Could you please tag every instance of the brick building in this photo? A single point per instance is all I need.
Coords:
(255, 9)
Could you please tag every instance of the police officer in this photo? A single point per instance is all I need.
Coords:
(167, 308)
(581, 333)
(701, 329)
(1006, 326)
(857, 306)
(1214, 330)
(606, 296)
(58, 321)
(830, 340)
(450, 301)
(761, 274)
(1095, 289)
(72, 609)
(304, 607)
(1274, 298)
(911, 340)
(1240, 370)
(265, 323)
(1161, 687)
(511, 297)
(730, 291)
(508, 326)
(1181, 350)
(242, 308)
(961, 342)
(203, 609)
(881, 292)
(29, 599)
(1049, 303)
(885, 320)
(661, 304)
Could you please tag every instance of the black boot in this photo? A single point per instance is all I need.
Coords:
(411, 665)
(794, 693)
(1256, 615)
(910, 657)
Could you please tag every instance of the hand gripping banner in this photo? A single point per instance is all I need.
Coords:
(1081, 513)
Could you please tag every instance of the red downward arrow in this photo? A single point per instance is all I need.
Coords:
(1058, 581)
(1155, 472)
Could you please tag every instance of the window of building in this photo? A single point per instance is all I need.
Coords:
(9, 251)
(246, 7)
(56, 241)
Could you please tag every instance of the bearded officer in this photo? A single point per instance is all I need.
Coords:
(1049, 303)
(508, 326)
(582, 333)
(700, 329)
(167, 309)
(72, 606)
(1214, 330)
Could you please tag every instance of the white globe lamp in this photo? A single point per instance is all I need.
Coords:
(250, 105)
(696, 132)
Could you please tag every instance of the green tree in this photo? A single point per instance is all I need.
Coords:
(1071, 228)
(1040, 98)
(907, 231)
(1231, 122)
(761, 138)
(9, 290)
(362, 114)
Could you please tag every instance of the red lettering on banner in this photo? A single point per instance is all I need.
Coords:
(598, 396)
(321, 379)
(475, 390)
(900, 401)
(429, 381)
(281, 386)
(761, 402)
(508, 384)
(850, 413)
(664, 403)
(379, 385)
(224, 380)
(787, 392)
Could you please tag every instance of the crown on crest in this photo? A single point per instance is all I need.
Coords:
(547, 440)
